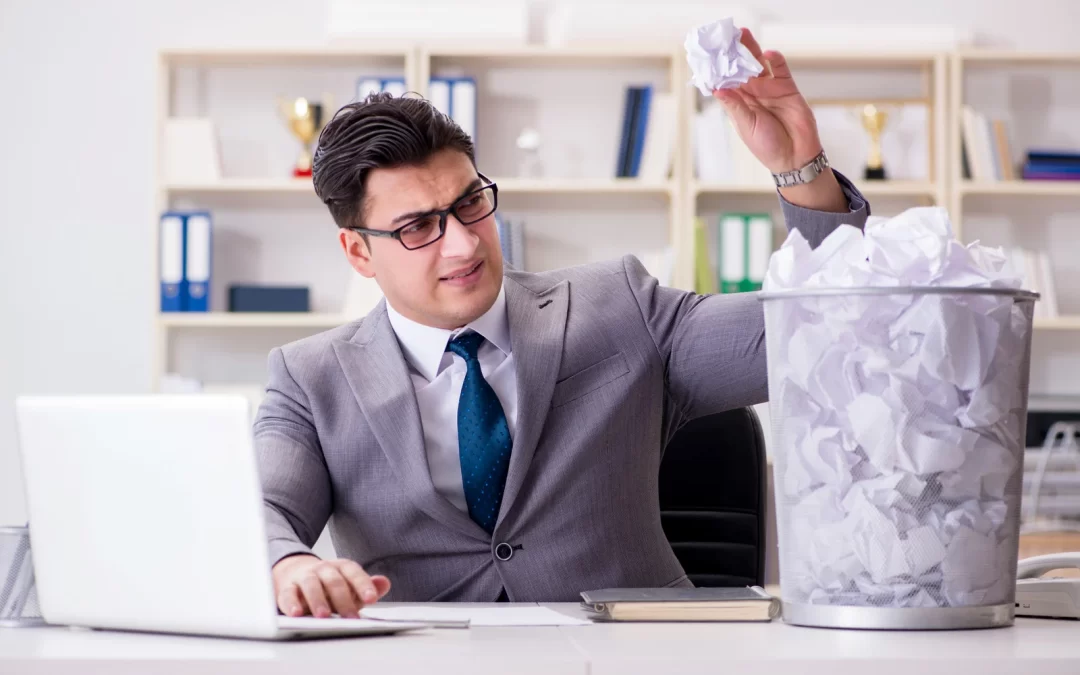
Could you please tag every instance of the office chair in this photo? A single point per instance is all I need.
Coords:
(712, 498)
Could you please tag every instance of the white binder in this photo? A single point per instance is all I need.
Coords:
(198, 262)
(439, 94)
(463, 105)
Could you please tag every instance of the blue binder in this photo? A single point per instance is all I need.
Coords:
(641, 123)
(198, 257)
(171, 262)
(621, 162)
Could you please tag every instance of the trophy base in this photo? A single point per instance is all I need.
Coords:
(877, 173)
(301, 173)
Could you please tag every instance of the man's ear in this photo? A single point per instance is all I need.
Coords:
(357, 252)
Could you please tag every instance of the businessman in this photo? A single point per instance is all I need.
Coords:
(486, 433)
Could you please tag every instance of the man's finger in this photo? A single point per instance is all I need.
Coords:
(779, 64)
(290, 602)
(312, 589)
(382, 585)
(360, 582)
(751, 43)
(338, 591)
(736, 108)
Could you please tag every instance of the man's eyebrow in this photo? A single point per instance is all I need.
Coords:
(413, 215)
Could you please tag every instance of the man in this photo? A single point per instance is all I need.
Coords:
(491, 434)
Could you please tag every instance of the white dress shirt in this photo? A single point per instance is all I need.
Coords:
(437, 376)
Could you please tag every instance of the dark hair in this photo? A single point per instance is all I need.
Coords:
(380, 132)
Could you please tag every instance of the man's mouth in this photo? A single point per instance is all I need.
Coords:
(468, 271)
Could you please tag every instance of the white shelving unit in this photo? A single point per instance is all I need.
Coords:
(187, 80)
(503, 72)
(1016, 192)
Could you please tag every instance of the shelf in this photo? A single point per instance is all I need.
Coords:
(544, 53)
(582, 186)
(1035, 188)
(241, 185)
(860, 60)
(1065, 322)
(1019, 58)
(251, 320)
(869, 188)
(343, 56)
(506, 186)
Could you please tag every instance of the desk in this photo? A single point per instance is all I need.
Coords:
(1031, 646)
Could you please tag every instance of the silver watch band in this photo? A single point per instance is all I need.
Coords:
(802, 175)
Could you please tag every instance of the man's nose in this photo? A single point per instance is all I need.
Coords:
(458, 241)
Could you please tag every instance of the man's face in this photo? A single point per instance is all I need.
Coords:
(426, 284)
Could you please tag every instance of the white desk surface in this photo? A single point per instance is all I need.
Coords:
(1031, 646)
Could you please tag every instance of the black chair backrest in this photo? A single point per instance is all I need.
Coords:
(712, 498)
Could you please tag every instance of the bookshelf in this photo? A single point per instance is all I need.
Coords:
(268, 207)
(1011, 98)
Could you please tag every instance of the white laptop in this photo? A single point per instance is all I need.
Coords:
(146, 514)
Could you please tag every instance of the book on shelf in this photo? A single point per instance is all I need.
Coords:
(704, 259)
(987, 154)
(512, 242)
(647, 139)
(1051, 165)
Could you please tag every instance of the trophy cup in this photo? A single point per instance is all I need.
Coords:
(529, 165)
(306, 120)
(873, 121)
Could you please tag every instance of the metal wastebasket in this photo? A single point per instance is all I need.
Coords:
(18, 595)
(898, 420)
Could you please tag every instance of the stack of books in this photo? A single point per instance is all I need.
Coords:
(1051, 165)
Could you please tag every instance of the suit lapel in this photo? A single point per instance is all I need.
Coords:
(537, 329)
(378, 376)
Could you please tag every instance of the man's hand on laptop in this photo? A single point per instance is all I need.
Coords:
(305, 584)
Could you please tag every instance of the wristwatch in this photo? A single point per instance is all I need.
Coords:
(803, 175)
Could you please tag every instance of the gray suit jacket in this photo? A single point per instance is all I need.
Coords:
(609, 365)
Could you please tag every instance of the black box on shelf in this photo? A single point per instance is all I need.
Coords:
(243, 298)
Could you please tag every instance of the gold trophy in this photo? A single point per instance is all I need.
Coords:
(873, 120)
(306, 120)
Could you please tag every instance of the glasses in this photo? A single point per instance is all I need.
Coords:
(429, 228)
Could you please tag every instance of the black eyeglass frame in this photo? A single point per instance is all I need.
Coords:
(443, 215)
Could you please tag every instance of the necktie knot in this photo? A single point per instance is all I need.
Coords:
(466, 345)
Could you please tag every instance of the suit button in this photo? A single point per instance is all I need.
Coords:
(504, 552)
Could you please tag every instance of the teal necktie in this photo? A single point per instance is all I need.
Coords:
(483, 437)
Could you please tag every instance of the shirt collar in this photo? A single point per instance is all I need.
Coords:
(424, 346)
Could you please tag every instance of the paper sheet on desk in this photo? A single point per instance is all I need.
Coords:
(480, 616)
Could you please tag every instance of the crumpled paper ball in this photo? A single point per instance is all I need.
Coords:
(717, 59)
(899, 417)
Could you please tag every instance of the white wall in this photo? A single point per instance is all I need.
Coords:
(76, 107)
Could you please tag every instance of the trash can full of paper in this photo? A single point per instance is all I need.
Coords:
(898, 368)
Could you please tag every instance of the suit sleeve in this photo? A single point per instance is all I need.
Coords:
(713, 346)
(295, 481)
